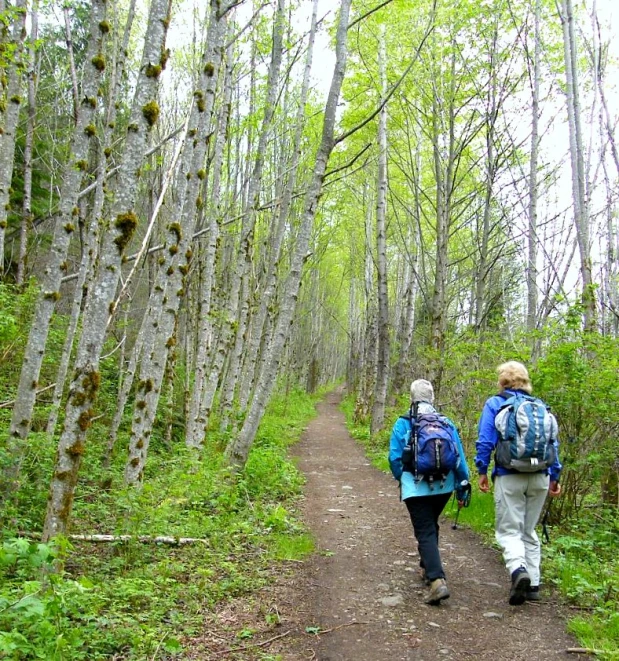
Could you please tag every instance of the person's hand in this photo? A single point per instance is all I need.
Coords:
(484, 484)
(554, 489)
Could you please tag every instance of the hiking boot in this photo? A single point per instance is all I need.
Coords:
(521, 585)
(438, 592)
(424, 577)
(533, 593)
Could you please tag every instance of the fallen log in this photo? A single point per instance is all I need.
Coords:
(144, 539)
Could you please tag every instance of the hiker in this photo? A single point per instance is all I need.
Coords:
(425, 491)
(518, 496)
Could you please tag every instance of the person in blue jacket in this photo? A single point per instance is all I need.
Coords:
(425, 502)
(518, 497)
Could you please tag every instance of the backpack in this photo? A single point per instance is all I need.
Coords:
(431, 450)
(528, 434)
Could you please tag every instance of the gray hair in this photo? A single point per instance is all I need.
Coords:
(422, 391)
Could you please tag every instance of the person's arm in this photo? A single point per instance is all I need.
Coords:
(554, 470)
(396, 446)
(462, 469)
(487, 438)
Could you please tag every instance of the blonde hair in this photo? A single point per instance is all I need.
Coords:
(514, 375)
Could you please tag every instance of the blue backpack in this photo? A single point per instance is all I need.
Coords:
(528, 434)
(431, 451)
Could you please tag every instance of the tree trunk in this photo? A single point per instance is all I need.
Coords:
(178, 255)
(100, 297)
(26, 220)
(10, 115)
(383, 353)
(579, 192)
(64, 229)
(237, 451)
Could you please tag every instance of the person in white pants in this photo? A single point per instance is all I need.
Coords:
(518, 497)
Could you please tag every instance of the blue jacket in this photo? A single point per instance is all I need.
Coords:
(409, 488)
(488, 437)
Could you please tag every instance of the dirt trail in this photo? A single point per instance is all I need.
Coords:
(362, 589)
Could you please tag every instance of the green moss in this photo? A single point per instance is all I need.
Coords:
(184, 269)
(153, 70)
(151, 112)
(78, 399)
(141, 404)
(90, 101)
(175, 228)
(16, 99)
(140, 444)
(51, 296)
(199, 203)
(107, 152)
(192, 133)
(165, 56)
(98, 62)
(201, 174)
(209, 69)
(75, 211)
(188, 254)
(69, 228)
(82, 165)
(91, 384)
(133, 127)
(84, 420)
(104, 27)
(171, 342)
(170, 270)
(126, 224)
(90, 130)
(173, 249)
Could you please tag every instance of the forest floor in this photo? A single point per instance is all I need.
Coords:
(360, 596)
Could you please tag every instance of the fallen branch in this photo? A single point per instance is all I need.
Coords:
(582, 650)
(264, 643)
(340, 626)
(145, 539)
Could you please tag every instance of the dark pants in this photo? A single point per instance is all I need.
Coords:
(424, 512)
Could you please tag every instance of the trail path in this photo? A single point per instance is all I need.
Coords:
(362, 591)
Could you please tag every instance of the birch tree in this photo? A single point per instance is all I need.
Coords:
(238, 449)
(10, 104)
(178, 253)
(64, 228)
(383, 353)
(577, 159)
(122, 224)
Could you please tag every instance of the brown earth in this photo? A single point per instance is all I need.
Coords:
(360, 597)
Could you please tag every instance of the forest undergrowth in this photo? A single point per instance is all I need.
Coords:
(134, 600)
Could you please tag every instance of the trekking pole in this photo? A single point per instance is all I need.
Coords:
(463, 498)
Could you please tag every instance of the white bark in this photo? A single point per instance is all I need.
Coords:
(533, 186)
(86, 377)
(64, 228)
(579, 188)
(383, 350)
(11, 104)
(268, 291)
(30, 127)
(178, 255)
(238, 450)
(195, 422)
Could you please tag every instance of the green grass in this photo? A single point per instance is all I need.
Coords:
(131, 599)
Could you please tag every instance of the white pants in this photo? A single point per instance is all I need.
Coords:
(519, 500)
